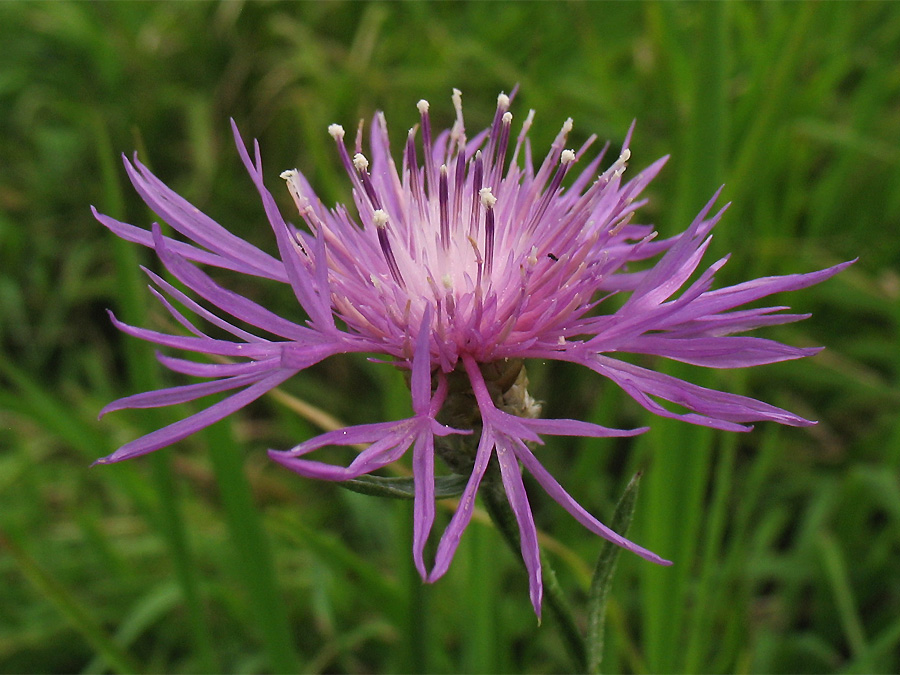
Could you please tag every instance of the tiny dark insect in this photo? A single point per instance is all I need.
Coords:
(552, 257)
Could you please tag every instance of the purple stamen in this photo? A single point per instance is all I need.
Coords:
(459, 182)
(565, 161)
(477, 171)
(502, 107)
(444, 203)
(428, 158)
(362, 165)
(380, 218)
(497, 172)
(412, 166)
(337, 133)
(488, 200)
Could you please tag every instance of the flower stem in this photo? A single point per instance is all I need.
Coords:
(500, 512)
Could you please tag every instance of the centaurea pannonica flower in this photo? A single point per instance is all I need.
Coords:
(457, 267)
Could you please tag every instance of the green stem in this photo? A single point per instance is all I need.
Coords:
(500, 512)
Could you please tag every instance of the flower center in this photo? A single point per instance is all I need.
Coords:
(493, 247)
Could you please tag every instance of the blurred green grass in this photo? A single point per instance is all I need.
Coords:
(205, 557)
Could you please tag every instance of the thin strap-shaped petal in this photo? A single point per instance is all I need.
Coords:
(197, 369)
(233, 303)
(722, 408)
(420, 380)
(387, 449)
(556, 491)
(183, 320)
(563, 427)
(182, 394)
(718, 352)
(361, 433)
(669, 273)
(143, 237)
(193, 223)
(625, 324)
(724, 299)
(189, 425)
(299, 277)
(518, 501)
(662, 287)
(204, 345)
(197, 308)
(423, 498)
(452, 535)
(729, 323)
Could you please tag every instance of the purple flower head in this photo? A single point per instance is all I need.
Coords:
(458, 267)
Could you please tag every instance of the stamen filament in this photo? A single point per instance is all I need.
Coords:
(502, 107)
(337, 133)
(526, 127)
(412, 166)
(444, 204)
(567, 157)
(477, 171)
(497, 172)
(380, 218)
(362, 166)
(428, 157)
(459, 182)
(458, 132)
(488, 200)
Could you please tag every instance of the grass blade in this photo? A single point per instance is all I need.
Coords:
(79, 617)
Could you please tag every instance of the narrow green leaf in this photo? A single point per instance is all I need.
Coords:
(404, 488)
(836, 571)
(603, 574)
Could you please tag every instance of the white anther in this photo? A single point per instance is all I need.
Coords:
(336, 131)
(423, 106)
(456, 98)
(503, 101)
(567, 126)
(526, 125)
(567, 157)
(360, 162)
(293, 186)
(447, 280)
(487, 199)
(380, 218)
(532, 259)
(507, 118)
(618, 167)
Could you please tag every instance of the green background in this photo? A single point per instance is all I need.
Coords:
(207, 557)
